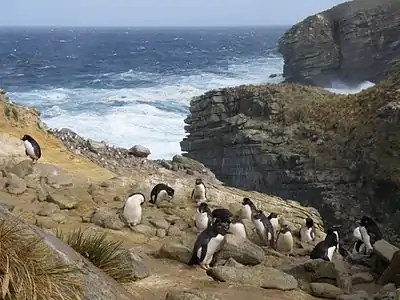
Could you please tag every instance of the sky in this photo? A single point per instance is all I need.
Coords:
(158, 12)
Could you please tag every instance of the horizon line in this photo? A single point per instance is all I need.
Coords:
(142, 26)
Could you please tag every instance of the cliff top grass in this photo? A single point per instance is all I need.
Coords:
(18, 120)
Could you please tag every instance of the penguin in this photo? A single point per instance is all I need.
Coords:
(248, 208)
(359, 248)
(207, 244)
(199, 193)
(222, 215)
(307, 232)
(203, 217)
(370, 233)
(160, 192)
(32, 148)
(132, 209)
(284, 241)
(263, 227)
(334, 230)
(237, 228)
(273, 218)
(325, 248)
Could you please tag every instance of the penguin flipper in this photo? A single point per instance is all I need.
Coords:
(203, 252)
(194, 260)
(191, 196)
(26, 153)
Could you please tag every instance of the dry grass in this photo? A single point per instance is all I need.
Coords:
(104, 253)
(28, 271)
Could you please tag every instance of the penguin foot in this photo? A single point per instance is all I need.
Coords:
(205, 267)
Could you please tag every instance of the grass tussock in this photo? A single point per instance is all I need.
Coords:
(104, 253)
(28, 271)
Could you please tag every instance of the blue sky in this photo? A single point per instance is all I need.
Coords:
(158, 12)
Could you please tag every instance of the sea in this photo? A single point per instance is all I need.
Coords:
(129, 86)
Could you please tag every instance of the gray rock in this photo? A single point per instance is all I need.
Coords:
(63, 199)
(139, 151)
(145, 230)
(46, 222)
(325, 290)
(392, 272)
(174, 231)
(107, 219)
(359, 295)
(47, 209)
(96, 146)
(260, 276)
(159, 223)
(139, 269)
(15, 185)
(243, 251)
(363, 277)
(59, 179)
(313, 270)
(161, 232)
(190, 295)
(175, 251)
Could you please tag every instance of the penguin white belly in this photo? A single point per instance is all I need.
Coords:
(275, 224)
(162, 195)
(366, 239)
(200, 193)
(305, 235)
(29, 149)
(361, 249)
(357, 233)
(213, 246)
(201, 220)
(261, 231)
(337, 236)
(238, 229)
(331, 250)
(132, 212)
(284, 242)
(246, 212)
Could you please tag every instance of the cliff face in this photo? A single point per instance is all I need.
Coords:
(353, 42)
(336, 153)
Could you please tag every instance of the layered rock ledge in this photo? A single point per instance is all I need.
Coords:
(333, 152)
(351, 42)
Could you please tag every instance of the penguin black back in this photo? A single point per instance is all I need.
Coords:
(203, 239)
(157, 189)
(372, 229)
(32, 147)
(259, 214)
(222, 215)
(325, 248)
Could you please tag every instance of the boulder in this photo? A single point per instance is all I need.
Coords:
(359, 295)
(106, 218)
(15, 185)
(139, 151)
(175, 251)
(392, 272)
(268, 278)
(243, 251)
(325, 290)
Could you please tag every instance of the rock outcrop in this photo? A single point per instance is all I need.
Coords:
(351, 42)
(333, 152)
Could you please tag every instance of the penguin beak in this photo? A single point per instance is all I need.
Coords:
(358, 222)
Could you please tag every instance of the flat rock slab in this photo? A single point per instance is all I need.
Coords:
(268, 278)
(325, 290)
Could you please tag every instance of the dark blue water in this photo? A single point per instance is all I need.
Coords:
(130, 86)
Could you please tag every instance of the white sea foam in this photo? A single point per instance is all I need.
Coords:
(151, 116)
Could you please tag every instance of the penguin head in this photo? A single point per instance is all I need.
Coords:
(247, 201)
(222, 215)
(199, 181)
(203, 207)
(26, 137)
(365, 221)
(272, 216)
(221, 228)
(170, 191)
(309, 222)
(257, 214)
(333, 232)
(285, 228)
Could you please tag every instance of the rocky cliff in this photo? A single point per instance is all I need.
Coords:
(352, 42)
(336, 153)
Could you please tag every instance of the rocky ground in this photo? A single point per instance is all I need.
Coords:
(68, 190)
